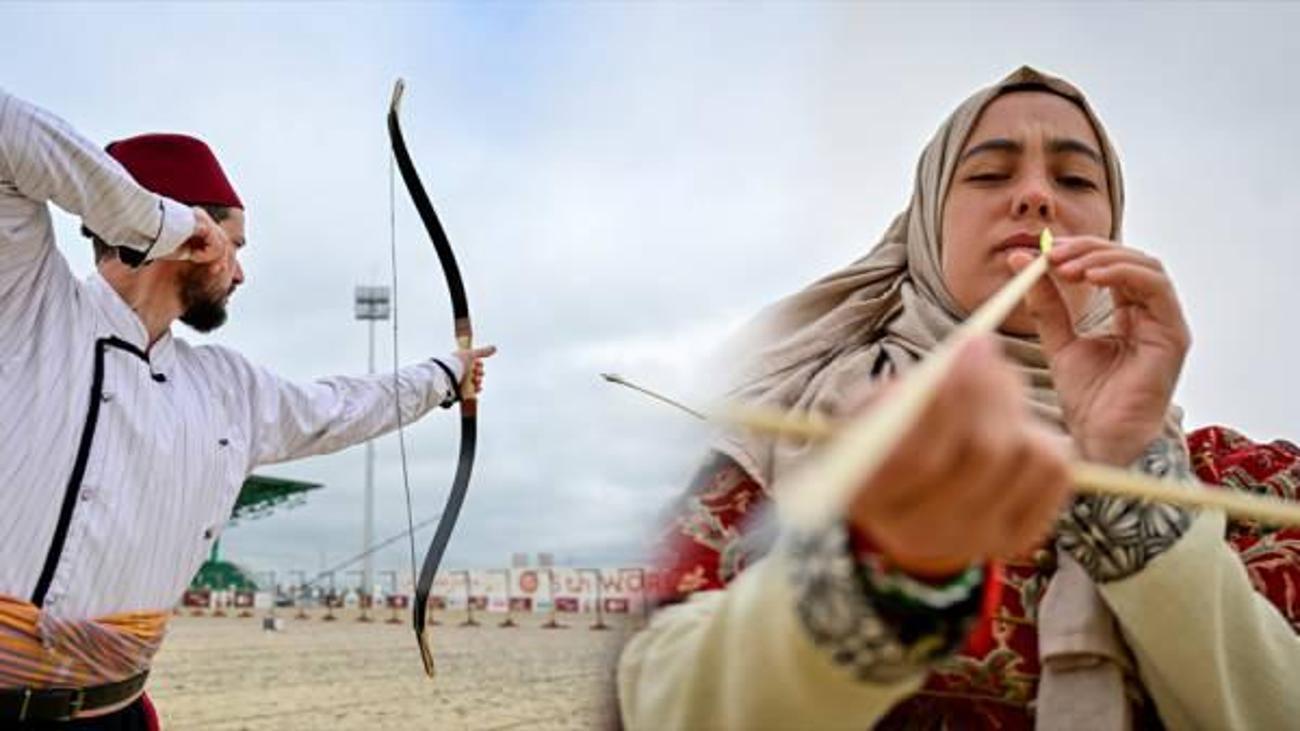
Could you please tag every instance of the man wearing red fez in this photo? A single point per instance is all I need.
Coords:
(122, 447)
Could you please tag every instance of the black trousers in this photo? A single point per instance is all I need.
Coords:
(132, 718)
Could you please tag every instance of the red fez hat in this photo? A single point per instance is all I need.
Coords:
(179, 167)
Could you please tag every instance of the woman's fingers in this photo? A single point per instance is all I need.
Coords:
(1073, 269)
(1036, 495)
(920, 456)
(1048, 308)
(1133, 276)
(1065, 248)
(1137, 285)
(1020, 477)
(948, 493)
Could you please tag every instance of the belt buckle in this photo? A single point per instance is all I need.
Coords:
(76, 702)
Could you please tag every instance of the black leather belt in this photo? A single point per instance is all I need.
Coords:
(63, 704)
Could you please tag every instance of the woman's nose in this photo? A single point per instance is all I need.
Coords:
(1034, 198)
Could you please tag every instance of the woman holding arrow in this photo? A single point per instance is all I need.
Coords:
(963, 586)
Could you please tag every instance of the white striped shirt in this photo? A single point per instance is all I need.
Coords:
(139, 451)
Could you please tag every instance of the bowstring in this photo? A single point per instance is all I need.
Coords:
(397, 384)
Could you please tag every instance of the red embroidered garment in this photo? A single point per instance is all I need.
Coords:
(993, 685)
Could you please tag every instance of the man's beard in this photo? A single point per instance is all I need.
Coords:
(204, 311)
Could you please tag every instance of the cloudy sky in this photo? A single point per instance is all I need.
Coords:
(625, 183)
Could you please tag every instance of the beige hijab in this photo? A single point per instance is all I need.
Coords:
(806, 353)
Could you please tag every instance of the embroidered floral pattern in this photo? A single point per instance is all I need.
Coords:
(1114, 537)
(878, 633)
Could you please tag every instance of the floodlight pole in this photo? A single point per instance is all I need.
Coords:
(371, 303)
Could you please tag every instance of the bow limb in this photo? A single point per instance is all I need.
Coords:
(464, 333)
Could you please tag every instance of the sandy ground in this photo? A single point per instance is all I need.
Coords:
(227, 674)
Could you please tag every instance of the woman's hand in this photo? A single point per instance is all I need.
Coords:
(1115, 388)
(974, 478)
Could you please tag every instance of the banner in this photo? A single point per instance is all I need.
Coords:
(620, 590)
(197, 599)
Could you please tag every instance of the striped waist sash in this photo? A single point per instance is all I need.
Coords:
(41, 651)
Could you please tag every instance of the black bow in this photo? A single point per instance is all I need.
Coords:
(469, 400)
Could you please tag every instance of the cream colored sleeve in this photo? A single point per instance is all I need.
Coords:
(1213, 653)
(739, 658)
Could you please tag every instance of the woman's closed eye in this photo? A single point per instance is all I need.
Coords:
(988, 177)
(1077, 181)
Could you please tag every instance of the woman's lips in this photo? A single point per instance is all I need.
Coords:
(1022, 241)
